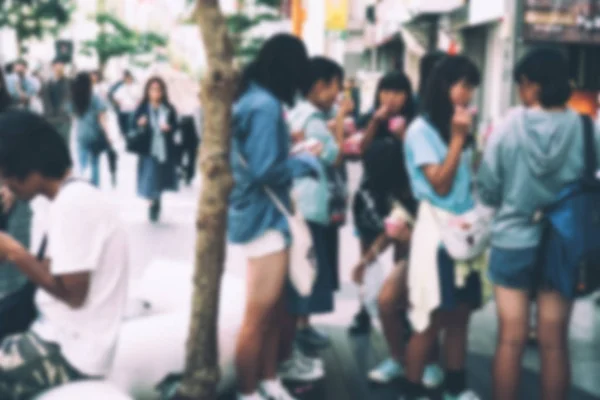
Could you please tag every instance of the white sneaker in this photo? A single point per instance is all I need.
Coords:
(312, 362)
(433, 376)
(295, 369)
(275, 391)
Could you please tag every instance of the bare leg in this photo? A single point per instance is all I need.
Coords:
(513, 314)
(554, 313)
(419, 349)
(455, 346)
(288, 334)
(266, 277)
(272, 346)
(391, 298)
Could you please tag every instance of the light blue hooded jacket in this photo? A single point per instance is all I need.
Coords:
(528, 160)
(312, 194)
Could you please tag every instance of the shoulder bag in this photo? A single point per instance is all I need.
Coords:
(302, 265)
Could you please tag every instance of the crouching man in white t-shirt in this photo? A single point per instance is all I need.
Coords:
(81, 282)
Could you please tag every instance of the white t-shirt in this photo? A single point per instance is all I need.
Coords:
(128, 95)
(85, 234)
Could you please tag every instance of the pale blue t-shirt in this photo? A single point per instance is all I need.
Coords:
(424, 146)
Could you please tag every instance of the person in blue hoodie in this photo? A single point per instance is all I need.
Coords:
(260, 159)
(534, 153)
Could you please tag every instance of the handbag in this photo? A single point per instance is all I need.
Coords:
(18, 310)
(570, 249)
(465, 237)
(138, 140)
(302, 264)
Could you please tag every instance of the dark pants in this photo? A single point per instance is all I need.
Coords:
(124, 119)
(321, 299)
(187, 153)
(332, 242)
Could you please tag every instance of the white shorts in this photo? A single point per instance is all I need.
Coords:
(272, 241)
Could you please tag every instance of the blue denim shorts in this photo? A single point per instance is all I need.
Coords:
(514, 268)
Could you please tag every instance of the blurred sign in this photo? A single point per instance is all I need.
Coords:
(336, 15)
(571, 21)
(482, 11)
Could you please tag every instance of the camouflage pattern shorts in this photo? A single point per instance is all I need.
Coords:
(28, 366)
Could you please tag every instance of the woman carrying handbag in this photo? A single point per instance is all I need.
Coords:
(151, 136)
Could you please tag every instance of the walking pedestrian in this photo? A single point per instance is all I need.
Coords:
(155, 119)
(260, 159)
(438, 162)
(125, 96)
(21, 86)
(56, 100)
(534, 154)
(82, 282)
(99, 88)
(90, 125)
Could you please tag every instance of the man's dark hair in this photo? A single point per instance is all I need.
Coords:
(22, 62)
(127, 74)
(28, 144)
(281, 67)
(550, 69)
(58, 60)
(323, 69)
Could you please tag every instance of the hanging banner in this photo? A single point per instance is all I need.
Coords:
(336, 15)
(568, 21)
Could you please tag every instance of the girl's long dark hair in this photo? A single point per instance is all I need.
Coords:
(281, 67)
(163, 89)
(81, 93)
(427, 64)
(437, 105)
(397, 81)
(5, 99)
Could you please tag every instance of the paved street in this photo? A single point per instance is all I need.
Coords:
(171, 243)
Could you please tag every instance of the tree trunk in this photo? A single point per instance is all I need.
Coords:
(218, 90)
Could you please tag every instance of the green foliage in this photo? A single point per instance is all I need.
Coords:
(35, 18)
(116, 39)
(240, 23)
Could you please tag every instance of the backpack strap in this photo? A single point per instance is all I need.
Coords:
(589, 149)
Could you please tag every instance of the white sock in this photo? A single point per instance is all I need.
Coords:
(271, 385)
(252, 396)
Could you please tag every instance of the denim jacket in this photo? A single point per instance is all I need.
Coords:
(261, 137)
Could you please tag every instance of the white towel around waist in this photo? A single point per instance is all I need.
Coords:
(423, 276)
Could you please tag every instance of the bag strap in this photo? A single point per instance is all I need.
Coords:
(589, 148)
(272, 196)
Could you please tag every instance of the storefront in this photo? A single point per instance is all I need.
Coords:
(574, 27)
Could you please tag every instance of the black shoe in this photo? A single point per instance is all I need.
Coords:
(361, 325)
(154, 211)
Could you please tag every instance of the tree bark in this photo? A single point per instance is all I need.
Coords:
(202, 373)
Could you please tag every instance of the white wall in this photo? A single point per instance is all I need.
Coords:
(314, 27)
